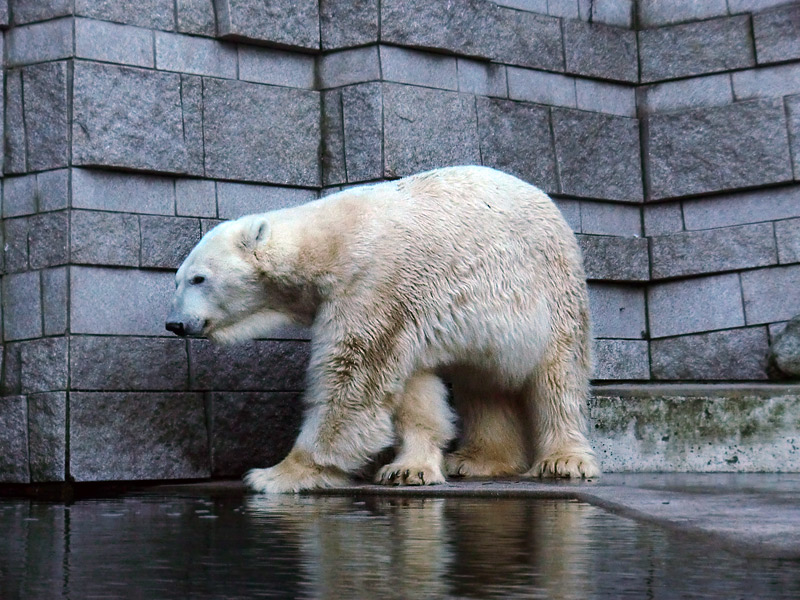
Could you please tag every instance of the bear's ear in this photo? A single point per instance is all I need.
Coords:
(256, 233)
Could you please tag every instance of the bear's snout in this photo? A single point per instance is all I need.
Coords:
(177, 328)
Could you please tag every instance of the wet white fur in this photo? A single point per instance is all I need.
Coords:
(463, 272)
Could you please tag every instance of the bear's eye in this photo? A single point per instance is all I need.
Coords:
(197, 280)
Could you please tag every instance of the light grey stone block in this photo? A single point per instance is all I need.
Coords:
(47, 240)
(598, 155)
(695, 305)
(426, 128)
(713, 250)
(515, 138)
(349, 66)
(654, 13)
(122, 192)
(571, 211)
(196, 16)
(541, 87)
(54, 300)
(47, 436)
(618, 311)
(118, 436)
(119, 301)
(777, 34)
(195, 198)
(609, 98)
(482, 79)
(15, 159)
(281, 126)
(563, 8)
(155, 131)
(104, 238)
(597, 50)
(703, 151)
(27, 11)
(603, 218)
(15, 245)
(43, 365)
(293, 23)
(239, 199)
(111, 42)
(276, 67)
(14, 466)
(39, 42)
(695, 48)
(745, 207)
(52, 190)
(155, 14)
(195, 55)
(345, 23)
(19, 196)
(610, 12)
(736, 6)
(780, 80)
(737, 354)
(251, 430)
(621, 360)
(333, 160)
(661, 219)
(363, 127)
(128, 364)
(401, 65)
(767, 294)
(697, 92)
(614, 258)
(256, 366)
(787, 235)
(22, 306)
(793, 115)
(46, 104)
(167, 241)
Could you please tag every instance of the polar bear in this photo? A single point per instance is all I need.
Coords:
(461, 274)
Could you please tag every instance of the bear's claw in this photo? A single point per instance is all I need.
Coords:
(575, 466)
(394, 474)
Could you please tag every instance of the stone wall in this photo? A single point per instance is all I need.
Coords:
(667, 132)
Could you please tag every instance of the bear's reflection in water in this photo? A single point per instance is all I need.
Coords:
(406, 547)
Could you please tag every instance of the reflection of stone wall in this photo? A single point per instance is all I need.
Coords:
(666, 132)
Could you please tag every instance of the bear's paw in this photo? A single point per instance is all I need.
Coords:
(401, 473)
(575, 465)
(294, 474)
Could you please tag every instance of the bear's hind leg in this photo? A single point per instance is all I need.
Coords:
(424, 425)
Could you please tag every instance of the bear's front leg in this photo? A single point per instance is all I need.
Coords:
(295, 473)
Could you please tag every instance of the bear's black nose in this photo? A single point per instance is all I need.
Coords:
(176, 328)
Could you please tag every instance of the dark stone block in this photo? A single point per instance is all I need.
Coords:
(103, 238)
(426, 128)
(54, 300)
(615, 258)
(104, 363)
(738, 354)
(43, 365)
(333, 165)
(362, 110)
(784, 352)
(46, 119)
(15, 147)
(11, 374)
(777, 34)
(52, 190)
(713, 250)
(16, 244)
(263, 133)
(28, 11)
(347, 23)
(696, 48)
(19, 196)
(793, 115)
(600, 51)
(598, 155)
(167, 241)
(713, 149)
(515, 138)
(196, 16)
(118, 436)
(47, 240)
(258, 366)
(22, 306)
(156, 14)
(252, 430)
(135, 118)
(14, 467)
(293, 23)
(123, 192)
(47, 435)
(787, 235)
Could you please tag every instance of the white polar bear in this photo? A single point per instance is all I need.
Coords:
(464, 273)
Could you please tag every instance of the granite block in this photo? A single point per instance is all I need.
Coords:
(19, 196)
(515, 138)
(571, 211)
(239, 199)
(615, 258)
(46, 105)
(167, 241)
(15, 247)
(27, 11)
(768, 82)
(611, 12)
(661, 219)
(603, 218)
(654, 13)
(14, 466)
(15, 151)
(54, 300)
(754, 6)
(43, 365)
(276, 67)
(111, 42)
(47, 436)
(195, 198)
(47, 240)
(333, 160)
(787, 235)
(481, 78)
(697, 92)
(195, 55)
(618, 311)
(609, 98)
(402, 65)
(196, 16)
(777, 34)
(746, 207)
(22, 306)
(154, 14)
(291, 23)
(52, 189)
(363, 127)
(39, 42)
(349, 66)
(11, 369)
(793, 116)
(621, 360)
(122, 192)
(104, 238)
(767, 296)
(541, 87)
(563, 8)
(346, 23)
(596, 50)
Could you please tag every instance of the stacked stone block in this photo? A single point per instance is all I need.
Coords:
(668, 136)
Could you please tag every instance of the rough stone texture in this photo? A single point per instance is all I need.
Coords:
(713, 250)
(110, 42)
(617, 311)
(615, 258)
(425, 129)
(765, 294)
(47, 429)
(22, 306)
(401, 65)
(129, 363)
(261, 133)
(793, 113)
(598, 155)
(238, 199)
(695, 305)
(777, 34)
(609, 98)
(256, 366)
(166, 241)
(156, 14)
(19, 196)
(541, 87)
(653, 13)
(600, 51)
(345, 23)
(661, 219)
(746, 207)
(46, 123)
(695, 48)
(39, 42)
(333, 159)
(195, 198)
(736, 354)
(119, 301)
(132, 118)
(14, 467)
(251, 430)
(605, 218)
(293, 23)
(276, 67)
(14, 150)
(198, 56)
(26, 11)
(122, 192)
(483, 79)
(713, 149)
(769, 82)
(474, 28)
(11, 374)
(698, 92)
(787, 235)
(102, 238)
(349, 66)
(754, 6)
(784, 351)
(621, 360)
(54, 301)
(52, 190)
(196, 16)
(137, 436)
(15, 248)
(515, 138)
(47, 240)
(43, 365)
(363, 122)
